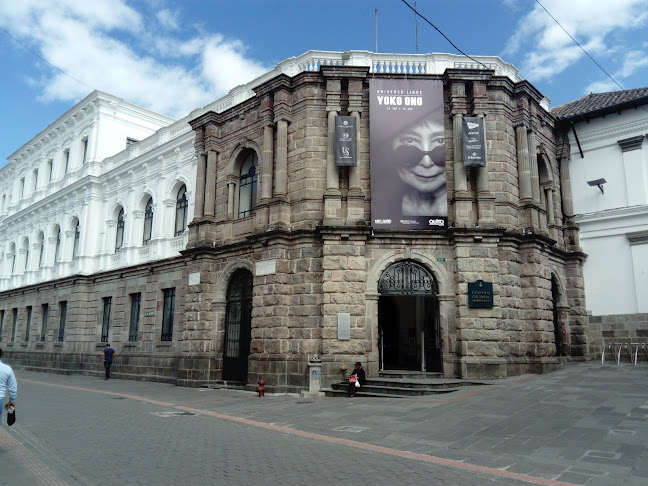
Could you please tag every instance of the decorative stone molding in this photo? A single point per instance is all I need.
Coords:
(632, 143)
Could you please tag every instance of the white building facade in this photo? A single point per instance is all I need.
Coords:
(79, 197)
(609, 179)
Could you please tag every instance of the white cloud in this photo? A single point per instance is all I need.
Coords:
(133, 54)
(548, 50)
(600, 87)
(168, 19)
(633, 61)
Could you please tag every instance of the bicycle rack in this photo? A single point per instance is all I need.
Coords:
(632, 348)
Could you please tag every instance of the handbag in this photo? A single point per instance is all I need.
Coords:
(11, 415)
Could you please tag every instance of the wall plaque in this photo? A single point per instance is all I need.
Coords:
(344, 326)
(480, 294)
(265, 267)
(194, 278)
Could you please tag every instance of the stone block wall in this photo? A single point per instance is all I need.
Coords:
(621, 328)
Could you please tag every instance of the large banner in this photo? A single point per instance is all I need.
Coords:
(407, 154)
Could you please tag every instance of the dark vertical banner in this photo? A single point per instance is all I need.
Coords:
(407, 154)
(472, 141)
(345, 141)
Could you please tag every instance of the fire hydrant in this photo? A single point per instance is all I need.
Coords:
(261, 388)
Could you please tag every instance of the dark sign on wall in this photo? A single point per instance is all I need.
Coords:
(407, 154)
(480, 294)
(472, 142)
(345, 141)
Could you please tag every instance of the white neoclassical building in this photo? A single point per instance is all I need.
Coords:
(108, 184)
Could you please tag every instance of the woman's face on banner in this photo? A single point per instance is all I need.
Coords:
(419, 153)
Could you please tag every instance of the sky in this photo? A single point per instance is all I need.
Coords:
(175, 56)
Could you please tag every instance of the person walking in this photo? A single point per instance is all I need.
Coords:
(107, 355)
(7, 385)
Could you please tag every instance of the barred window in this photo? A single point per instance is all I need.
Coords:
(134, 317)
(119, 238)
(105, 327)
(248, 186)
(167, 315)
(148, 221)
(181, 211)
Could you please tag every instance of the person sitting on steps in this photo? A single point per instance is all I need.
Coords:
(358, 374)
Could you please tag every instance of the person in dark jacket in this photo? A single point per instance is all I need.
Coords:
(358, 374)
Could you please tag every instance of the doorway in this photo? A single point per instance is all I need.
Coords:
(408, 319)
(238, 325)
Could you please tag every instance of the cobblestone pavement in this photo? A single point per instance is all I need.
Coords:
(584, 424)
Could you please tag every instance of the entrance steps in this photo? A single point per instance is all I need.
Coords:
(227, 384)
(402, 384)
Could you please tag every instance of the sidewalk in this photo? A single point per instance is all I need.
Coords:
(583, 424)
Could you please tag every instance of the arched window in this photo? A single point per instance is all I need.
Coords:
(181, 211)
(247, 186)
(119, 238)
(57, 252)
(148, 221)
(41, 242)
(77, 237)
(12, 251)
(26, 246)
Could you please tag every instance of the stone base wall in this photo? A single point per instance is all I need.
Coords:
(621, 328)
(141, 367)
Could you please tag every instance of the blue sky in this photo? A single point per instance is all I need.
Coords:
(174, 56)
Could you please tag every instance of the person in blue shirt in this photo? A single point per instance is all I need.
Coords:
(107, 356)
(7, 384)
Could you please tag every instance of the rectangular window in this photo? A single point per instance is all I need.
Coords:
(35, 179)
(50, 168)
(62, 313)
(167, 315)
(22, 187)
(1, 323)
(28, 325)
(107, 301)
(45, 313)
(85, 149)
(66, 155)
(15, 323)
(134, 316)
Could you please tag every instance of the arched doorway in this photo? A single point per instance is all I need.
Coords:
(238, 321)
(408, 319)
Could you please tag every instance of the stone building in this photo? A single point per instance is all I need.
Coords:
(284, 259)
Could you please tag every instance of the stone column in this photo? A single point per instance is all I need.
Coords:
(550, 206)
(281, 172)
(230, 199)
(333, 196)
(199, 205)
(210, 185)
(266, 166)
(355, 197)
(533, 167)
(570, 228)
(485, 199)
(524, 171)
(463, 200)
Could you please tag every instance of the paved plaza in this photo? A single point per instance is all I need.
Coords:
(584, 424)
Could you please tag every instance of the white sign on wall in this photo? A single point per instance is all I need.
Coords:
(194, 278)
(265, 267)
(344, 326)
